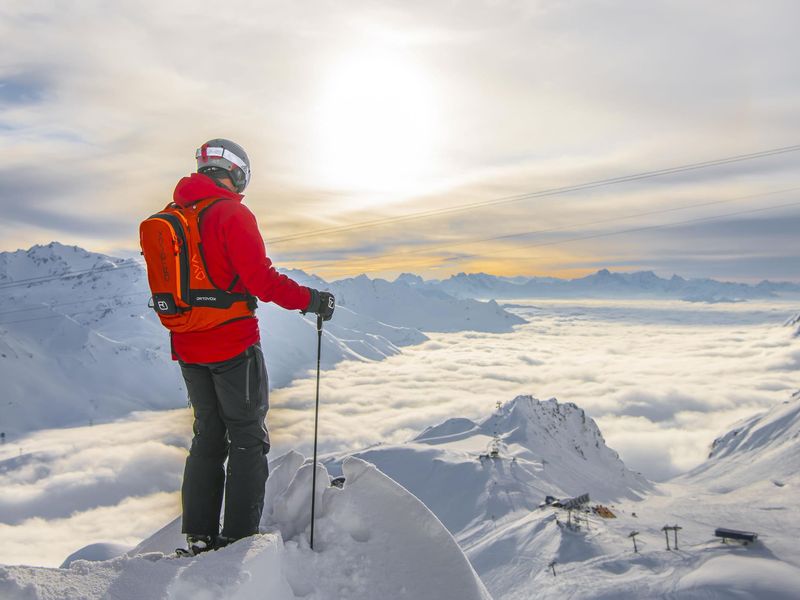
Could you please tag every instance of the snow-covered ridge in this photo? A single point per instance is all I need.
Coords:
(399, 303)
(765, 447)
(603, 284)
(79, 344)
(794, 322)
(544, 448)
(372, 539)
(52, 260)
(556, 449)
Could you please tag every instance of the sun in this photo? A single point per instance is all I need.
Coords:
(376, 125)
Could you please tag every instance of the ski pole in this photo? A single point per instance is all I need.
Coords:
(316, 429)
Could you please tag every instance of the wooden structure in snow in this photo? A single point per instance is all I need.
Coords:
(603, 511)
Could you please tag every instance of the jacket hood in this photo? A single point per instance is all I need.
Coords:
(199, 187)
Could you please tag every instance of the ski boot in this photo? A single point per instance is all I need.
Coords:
(196, 544)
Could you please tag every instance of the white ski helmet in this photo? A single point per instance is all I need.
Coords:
(220, 154)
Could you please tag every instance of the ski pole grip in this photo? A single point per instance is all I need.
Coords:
(319, 323)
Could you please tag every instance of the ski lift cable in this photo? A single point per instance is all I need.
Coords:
(541, 193)
(558, 242)
(65, 316)
(84, 301)
(129, 263)
(455, 243)
(646, 228)
(479, 255)
(58, 315)
(136, 261)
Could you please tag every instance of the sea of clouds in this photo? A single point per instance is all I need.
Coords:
(662, 379)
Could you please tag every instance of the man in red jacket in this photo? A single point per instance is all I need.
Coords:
(223, 367)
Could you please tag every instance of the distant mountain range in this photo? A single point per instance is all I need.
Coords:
(78, 342)
(603, 284)
(75, 327)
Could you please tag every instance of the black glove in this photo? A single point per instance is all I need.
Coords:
(322, 304)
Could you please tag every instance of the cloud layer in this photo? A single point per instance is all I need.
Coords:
(670, 371)
(116, 482)
(662, 379)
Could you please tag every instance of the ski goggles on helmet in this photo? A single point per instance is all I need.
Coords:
(237, 168)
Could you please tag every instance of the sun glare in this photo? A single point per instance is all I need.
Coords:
(376, 126)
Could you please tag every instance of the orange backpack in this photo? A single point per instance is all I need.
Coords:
(184, 296)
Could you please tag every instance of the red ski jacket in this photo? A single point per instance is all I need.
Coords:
(232, 245)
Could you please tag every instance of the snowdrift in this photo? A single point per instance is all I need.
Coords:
(373, 539)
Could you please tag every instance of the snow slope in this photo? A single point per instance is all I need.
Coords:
(79, 344)
(547, 448)
(763, 450)
(738, 487)
(492, 505)
(399, 303)
(795, 323)
(372, 540)
(749, 482)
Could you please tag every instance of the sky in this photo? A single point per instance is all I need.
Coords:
(365, 111)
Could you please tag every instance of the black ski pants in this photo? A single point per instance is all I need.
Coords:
(230, 401)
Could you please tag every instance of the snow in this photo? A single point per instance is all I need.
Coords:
(96, 552)
(431, 518)
(732, 576)
(373, 539)
(550, 448)
(795, 323)
(767, 444)
(546, 448)
(730, 490)
(90, 341)
(400, 303)
(492, 505)
(54, 259)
